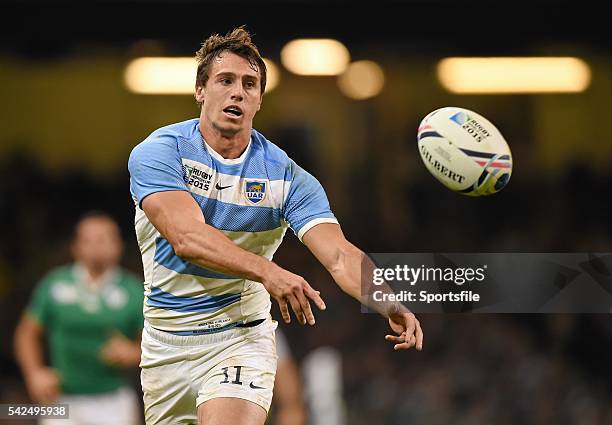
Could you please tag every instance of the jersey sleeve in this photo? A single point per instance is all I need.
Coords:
(40, 306)
(155, 166)
(306, 204)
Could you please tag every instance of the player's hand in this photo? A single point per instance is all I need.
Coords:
(43, 385)
(120, 351)
(290, 289)
(408, 330)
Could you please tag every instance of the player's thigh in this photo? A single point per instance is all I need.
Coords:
(165, 377)
(228, 410)
(244, 370)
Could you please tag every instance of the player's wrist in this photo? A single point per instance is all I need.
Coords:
(33, 371)
(265, 271)
(394, 309)
(39, 376)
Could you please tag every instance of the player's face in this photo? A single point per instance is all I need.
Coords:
(97, 243)
(232, 94)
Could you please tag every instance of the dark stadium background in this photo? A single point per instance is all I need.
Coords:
(67, 125)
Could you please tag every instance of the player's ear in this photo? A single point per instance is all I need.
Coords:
(199, 94)
(260, 100)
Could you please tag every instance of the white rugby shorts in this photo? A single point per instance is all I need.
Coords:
(181, 372)
(116, 407)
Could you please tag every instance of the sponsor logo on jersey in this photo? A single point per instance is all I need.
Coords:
(255, 190)
(215, 324)
(219, 187)
(64, 293)
(116, 298)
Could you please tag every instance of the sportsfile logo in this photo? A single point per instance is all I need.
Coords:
(197, 178)
(469, 124)
(414, 275)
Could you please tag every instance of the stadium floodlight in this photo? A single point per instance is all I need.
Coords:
(315, 56)
(362, 80)
(174, 75)
(161, 75)
(272, 75)
(488, 75)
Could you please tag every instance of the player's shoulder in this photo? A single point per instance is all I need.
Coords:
(63, 273)
(184, 129)
(271, 153)
(167, 137)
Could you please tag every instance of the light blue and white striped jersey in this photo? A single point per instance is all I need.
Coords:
(251, 199)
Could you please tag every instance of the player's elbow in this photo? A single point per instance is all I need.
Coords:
(345, 257)
(184, 246)
(27, 332)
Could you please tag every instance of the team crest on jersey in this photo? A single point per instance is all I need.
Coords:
(255, 190)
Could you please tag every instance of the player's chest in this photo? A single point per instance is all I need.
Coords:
(234, 186)
(74, 303)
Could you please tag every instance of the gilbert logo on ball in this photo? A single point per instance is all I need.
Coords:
(464, 151)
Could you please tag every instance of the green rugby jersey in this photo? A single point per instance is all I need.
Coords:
(78, 319)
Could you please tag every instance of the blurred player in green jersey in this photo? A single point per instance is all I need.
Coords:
(90, 312)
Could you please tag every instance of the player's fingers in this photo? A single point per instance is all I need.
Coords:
(48, 394)
(43, 398)
(54, 392)
(284, 309)
(410, 324)
(405, 345)
(297, 308)
(419, 336)
(305, 304)
(315, 296)
(395, 338)
(402, 346)
(38, 395)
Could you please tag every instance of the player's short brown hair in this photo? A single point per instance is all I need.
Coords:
(237, 41)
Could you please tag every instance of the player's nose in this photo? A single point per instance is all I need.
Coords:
(237, 93)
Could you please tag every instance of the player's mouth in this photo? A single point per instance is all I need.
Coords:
(233, 111)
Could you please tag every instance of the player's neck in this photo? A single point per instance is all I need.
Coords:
(229, 146)
(95, 274)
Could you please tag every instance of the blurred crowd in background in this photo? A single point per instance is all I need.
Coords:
(476, 368)
(64, 147)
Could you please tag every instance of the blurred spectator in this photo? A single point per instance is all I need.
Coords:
(323, 386)
(287, 402)
(91, 314)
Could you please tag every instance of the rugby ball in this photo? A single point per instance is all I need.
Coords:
(464, 151)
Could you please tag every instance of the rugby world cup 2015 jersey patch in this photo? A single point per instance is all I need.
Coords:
(196, 177)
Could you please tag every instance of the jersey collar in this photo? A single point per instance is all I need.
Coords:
(226, 161)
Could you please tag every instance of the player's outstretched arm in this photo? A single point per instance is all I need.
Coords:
(179, 219)
(347, 263)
